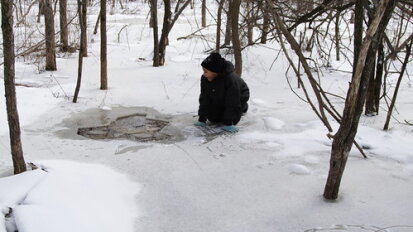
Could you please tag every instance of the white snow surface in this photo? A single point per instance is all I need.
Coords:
(268, 177)
(69, 196)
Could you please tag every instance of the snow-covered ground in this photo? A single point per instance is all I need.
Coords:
(268, 177)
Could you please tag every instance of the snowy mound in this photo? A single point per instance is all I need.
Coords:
(68, 196)
(299, 169)
(273, 123)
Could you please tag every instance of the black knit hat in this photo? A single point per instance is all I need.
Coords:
(214, 63)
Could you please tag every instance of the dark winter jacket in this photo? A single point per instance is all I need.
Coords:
(224, 99)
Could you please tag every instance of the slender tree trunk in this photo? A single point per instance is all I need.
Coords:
(396, 90)
(154, 22)
(168, 23)
(379, 76)
(50, 37)
(358, 30)
(219, 24)
(103, 47)
(337, 35)
(80, 5)
(41, 10)
(9, 86)
(265, 23)
(84, 22)
(95, 31)
(165, 31)
(346, 133)
(64, 35)
(250, 22)
(235, 7)
(203, 13)
(374, 87)
(228, 32)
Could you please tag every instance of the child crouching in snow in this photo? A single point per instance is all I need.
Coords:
(224, 94)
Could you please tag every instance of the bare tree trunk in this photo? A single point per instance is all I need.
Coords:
(103, 47)
(203, 13)
(219, 24)
(337, 35)
(41, 10)
(346, 133)
(396, 90)
(165, 31)
(265, 23)
(84, 22)
(64, 35)
(168, 23)
(80, 5)
(358, 30)
(50, 38)
(235, 7)
(374, 88)
(154, 22)
(228, 32)
(250, 22)
(95, 31)
(9, 86)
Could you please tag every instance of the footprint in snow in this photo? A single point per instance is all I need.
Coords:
(220, 156)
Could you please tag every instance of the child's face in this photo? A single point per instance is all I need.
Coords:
(209, 75)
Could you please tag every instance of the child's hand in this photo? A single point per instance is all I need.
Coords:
(231, 129)
(201, 124)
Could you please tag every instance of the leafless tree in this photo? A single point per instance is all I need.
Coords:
(235, 10)
(219, 24)
(168, 23)
(154, 25)
(84, 22)
(203, 10)
(343, 139)
(80, 5)
(50, 36)
(64, 34)
(9, 86)
(103, 47)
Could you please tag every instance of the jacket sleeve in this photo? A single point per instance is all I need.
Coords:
(245, 91)
(204, 102)
(232, 111)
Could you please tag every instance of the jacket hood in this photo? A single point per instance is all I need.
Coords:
(229, 67)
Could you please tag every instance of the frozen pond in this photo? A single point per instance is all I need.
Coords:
(140, 124)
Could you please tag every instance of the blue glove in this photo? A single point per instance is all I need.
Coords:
(201, 124)
(231, 129)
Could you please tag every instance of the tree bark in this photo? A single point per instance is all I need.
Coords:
(50, 36)
(265, 23)
(64, 35)
(250, 22)
(337, 35)
(358, 30)
(168, 23)
(41, 10)
(219, 24)
(84, 22)
(154, 22)
(9, 86)
(103, 47)
(80, 5)
(165, 31)
(228, 32)
(235, 7)
(203, 13)
(346, 133)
